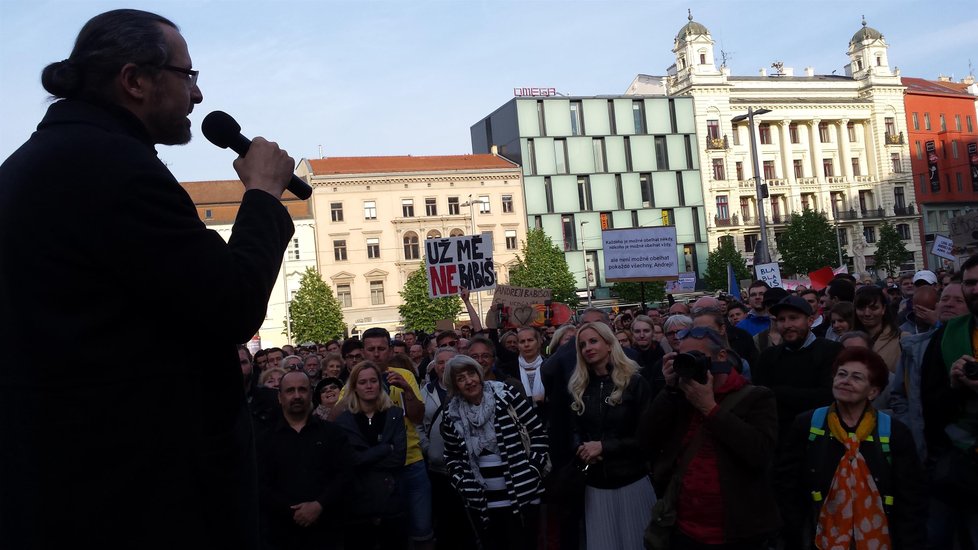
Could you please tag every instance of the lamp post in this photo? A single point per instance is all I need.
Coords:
(587, 282)
(471, 204)
(763, 255)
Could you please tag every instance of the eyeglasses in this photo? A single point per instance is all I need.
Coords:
(191, 74)
(353, 356)
(450, 343)
(478, 356)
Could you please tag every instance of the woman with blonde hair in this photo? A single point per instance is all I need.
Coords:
(375, 430)
(563, 335)
(608, 396)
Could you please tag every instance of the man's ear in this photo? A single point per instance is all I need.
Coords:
(133, 82)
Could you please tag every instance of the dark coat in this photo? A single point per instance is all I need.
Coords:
(806, 466)
(375, 492)
(129, 422)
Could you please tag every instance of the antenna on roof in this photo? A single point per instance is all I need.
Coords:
(725, 56)
(321, 151)
(971, 68)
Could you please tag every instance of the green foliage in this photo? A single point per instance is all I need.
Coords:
(543, 265)
(808, 243)
(631, 293)
(715, 277)
(418, 311)
(314, 313)
(890, 251)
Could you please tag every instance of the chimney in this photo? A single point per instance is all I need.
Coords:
(763, 71)
(969, 80)
(494, 150)
(809, 71)
(942, 78)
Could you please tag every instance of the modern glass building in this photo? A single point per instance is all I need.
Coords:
(608, 162)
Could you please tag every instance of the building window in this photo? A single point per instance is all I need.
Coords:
(890, 126)
(843, 236)
(344, 295)
(507, 204)
(607, 222)
(793, 133)
(628, 154)
(926, 121)
(411, 248)
(855, 167)
(373, 248)
(957, 177)
(943, 123)
(957, 122)
(611, 116)
(576, 120)
(899, 200)
(584, 192)
(510, 239)
(433, 234)
(600, 156)
(484, 206)
(851, 128)
(336, 211)
(904, 231)
(764, 132)
(668, 218)
(638, 115)
(560, 155)
(750, 242)
(967, 119)
(823, 132)
(827, 168)
(453, 208)
(620, 191)
(407, 208)
(531, 153)
(702, 59)
(369, 210)
(541, 119)
(739, 166)
(661, 153)
(339, 251)
(799, 168)
(897, 163)
(769, 172)
(920, 152)
(869, 233)
(293, 251)
(736, 135)
(208, 214)
(456, 232)
(431, 207)
(377, 293)
(713, 129)
(723, 207)
(808, 201)
(718, 172)
(645, 183)
(689, 151)
(548, 191)
(916, 122)
(570, 236)
(745, 208)
(954, 148)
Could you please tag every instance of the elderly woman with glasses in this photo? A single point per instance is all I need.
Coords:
(850, 474)
(673, 325)
(496, 455)
(608, 398)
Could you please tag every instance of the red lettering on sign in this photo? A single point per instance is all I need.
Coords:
(443, 280)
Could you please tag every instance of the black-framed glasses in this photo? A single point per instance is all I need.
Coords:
(191, 73)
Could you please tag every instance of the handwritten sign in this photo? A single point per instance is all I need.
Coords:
(459, 262)
(515, 299)
(943, 247)
(646, 253)
(770, 274)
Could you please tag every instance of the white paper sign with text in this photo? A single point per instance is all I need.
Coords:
(770, 274)
(459, 262)
(641, 253)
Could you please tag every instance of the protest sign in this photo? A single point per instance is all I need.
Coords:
(943, 247)
(516, 301)
(459, 262)
(641, 254)
(685, 283)
(770, 274)
(964, 229)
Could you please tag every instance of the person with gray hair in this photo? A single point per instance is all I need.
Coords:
(672, 326)
(496, 454)
(856, 339)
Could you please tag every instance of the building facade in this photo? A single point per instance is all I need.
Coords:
(374, 213)
(594, 163)
(943, 136)
(217, 205)
(831, 143)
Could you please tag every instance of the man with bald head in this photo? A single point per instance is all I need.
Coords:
(924, 314)
(679, 308)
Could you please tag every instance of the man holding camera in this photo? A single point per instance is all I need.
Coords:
(713, 435)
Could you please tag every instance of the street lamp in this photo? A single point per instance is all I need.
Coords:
(761, 253)
(587, 281)
(471, 204)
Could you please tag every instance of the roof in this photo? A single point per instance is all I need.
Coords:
(383, 165)
(865, 33)
(923, 86)
(214, 192)
(691, 28)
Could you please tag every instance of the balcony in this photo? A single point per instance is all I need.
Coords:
(869, 213)
(846, 215)
(904, 211)
(780, 219)
(894, 139)
(717, 143)
(807, 181)
(726, 222)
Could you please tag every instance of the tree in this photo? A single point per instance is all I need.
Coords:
(715, 276)
(543, 265)
(808, 243)
(315, 314)
(631, 293)
(890, 251)
(418, 311)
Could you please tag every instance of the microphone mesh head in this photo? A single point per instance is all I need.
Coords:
(220, 128)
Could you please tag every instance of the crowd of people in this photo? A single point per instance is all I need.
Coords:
(844, 417)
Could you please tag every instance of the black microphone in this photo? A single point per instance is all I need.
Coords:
(222, 130)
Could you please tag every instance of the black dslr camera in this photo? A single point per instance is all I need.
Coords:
(971, 370)
(692, 366)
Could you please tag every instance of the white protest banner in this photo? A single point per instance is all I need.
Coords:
(770, 274)
(640, 254)
(943, 247)
(459, 262)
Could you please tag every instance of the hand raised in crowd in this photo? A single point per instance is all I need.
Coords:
(306, 513)
(395, 379)
(925, 314)
(668, 372)
(590, 452)
(265, 167)
(957, 376)
(700, 396)
(463, 293)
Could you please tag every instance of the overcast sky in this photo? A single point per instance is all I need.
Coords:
(396, 78)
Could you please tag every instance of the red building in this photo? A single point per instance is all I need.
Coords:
(943, 139)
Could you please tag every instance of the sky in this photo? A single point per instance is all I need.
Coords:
(369, 77)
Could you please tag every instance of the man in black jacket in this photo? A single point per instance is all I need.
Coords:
(94, 446)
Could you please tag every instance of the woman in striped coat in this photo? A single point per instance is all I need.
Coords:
(497, 474)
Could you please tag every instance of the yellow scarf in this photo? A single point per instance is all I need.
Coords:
(852, 516)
